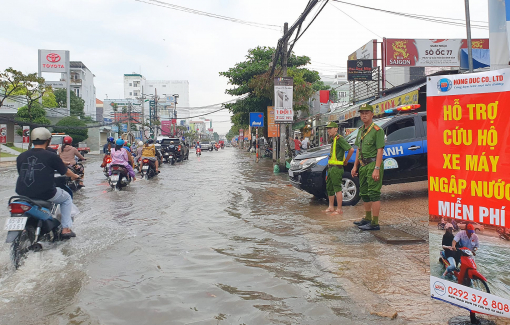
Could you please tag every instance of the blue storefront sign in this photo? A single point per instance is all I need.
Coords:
(124, 127)
(257, 120)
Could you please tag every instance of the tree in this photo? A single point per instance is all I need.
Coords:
(252, 78)
(74, 127)
(10, 83)
(36, 115)
(77, 104)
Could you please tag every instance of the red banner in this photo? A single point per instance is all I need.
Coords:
(26, 134)
(3, 133)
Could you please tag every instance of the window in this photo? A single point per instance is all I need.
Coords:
(136, 84)
(401, 130)
(424, 121)
(77, 91)
(130, 84)
(136, 93)
(130, 94)
(164, 85)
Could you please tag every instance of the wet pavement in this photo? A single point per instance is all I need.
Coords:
(222, 240)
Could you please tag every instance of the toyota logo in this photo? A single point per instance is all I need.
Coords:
(53, 57)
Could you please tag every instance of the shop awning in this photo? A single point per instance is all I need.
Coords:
(404, 97)
(481, 59)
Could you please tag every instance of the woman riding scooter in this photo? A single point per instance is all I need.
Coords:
(68, 153)
(120, 156)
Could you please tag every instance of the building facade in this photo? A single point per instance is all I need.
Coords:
(82, 84)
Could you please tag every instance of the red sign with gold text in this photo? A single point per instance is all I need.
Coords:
(468, 120)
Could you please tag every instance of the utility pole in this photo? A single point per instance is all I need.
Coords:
(283, 127)
(155, 113)
(129, 123)
(143, 117)
(468, 27)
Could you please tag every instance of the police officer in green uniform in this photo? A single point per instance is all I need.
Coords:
(369, 158)
(336, 163)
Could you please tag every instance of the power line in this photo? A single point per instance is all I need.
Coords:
(433, 19)
(357, 21)
(208, 14)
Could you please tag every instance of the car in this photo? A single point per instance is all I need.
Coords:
(206, 145)
(175, 147)
(478, 227)
(57, 139)
(405, 158)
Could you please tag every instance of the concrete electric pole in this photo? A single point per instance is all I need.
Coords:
(283, 127)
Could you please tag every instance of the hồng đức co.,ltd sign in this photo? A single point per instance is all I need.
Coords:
(469, 190)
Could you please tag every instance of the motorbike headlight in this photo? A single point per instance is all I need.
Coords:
(310, 162)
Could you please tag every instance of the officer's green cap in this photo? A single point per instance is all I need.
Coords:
(332, 125)
(366, 107)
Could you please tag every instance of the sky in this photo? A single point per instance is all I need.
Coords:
(115, 37)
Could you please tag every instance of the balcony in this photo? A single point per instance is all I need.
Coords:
(76, 82)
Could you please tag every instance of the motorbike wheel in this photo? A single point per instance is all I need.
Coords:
(480, 284)
(172, 161)
(20, 245)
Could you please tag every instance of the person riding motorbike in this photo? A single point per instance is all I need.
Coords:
(36, 180)
(467, 238)
(120, 156)
(68, 154)
(139, 150)
(448, 252)
(149, 151)
(110, 142)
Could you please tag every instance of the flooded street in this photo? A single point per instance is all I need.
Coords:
(222, 240)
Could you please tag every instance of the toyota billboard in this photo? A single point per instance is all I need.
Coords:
(53, 60)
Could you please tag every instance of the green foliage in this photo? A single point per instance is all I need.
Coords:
(74, 127)
(49, 100)
(36, 114)
(253, 77)
(11, 81)
(77, 104)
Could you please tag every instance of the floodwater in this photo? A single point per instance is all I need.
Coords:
(221, 240)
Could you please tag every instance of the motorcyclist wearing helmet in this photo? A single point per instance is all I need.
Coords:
(120, 156)
(467, 238)
(36, 180)
(68, 152)
(149, 151)
(109, 144)
(139, 150)
(448, 252)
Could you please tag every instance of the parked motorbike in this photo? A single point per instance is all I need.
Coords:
(268, 153)
(467, 275)
(199, 152)
(32, 226)
(148, 168)
(119, 178)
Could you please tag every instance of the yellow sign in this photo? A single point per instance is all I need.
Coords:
(406, 99)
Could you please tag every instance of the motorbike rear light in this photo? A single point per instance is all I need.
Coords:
(18, 208)
(115, 168)
(146, 161)
(108, 160)
(179, 149)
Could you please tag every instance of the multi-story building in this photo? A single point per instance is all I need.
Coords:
(165, 89)
(82, 84)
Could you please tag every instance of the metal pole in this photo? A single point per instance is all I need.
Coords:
(257, 143)
(468, 27)
(383, 63)
(68, 70)
(39, 73)
(129, 124)
(143, 117)
(283, 126)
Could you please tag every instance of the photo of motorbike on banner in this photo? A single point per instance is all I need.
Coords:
(469, 190)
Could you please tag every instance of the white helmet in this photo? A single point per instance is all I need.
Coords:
(41, 134)
(140, 143)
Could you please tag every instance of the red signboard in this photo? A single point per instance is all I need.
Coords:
(428, 52)
(469, 186)
(3, 133)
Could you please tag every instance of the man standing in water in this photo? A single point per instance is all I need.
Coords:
(336, 165)
(369, 156)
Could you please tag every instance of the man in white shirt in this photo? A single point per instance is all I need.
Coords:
(305, 143)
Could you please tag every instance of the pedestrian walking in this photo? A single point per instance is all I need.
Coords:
(336, 163)
(297, 145)
(370, 143)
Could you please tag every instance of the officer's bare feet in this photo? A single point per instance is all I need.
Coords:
(329, 210)
(337, 212)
